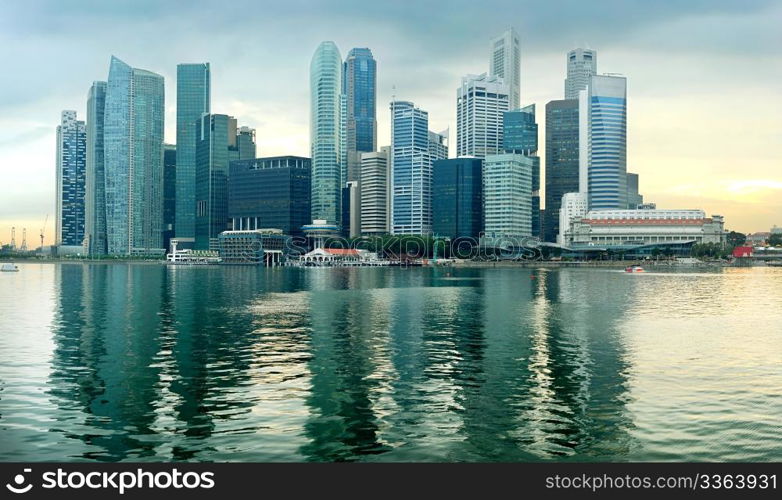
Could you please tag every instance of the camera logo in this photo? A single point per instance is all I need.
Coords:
(19, 480)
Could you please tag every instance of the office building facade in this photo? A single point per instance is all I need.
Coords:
(327, 107)
(507, 195)
(505, 63)
(581, 66)
(95, 179)
(562, 160)
(360, 89)
(520, 135)
(71, 176)
(270, 193)
(375, 193)
(193, 100)
(457, 198)
(133, 159)
(634, 197)
(169, 194)
(480, 103)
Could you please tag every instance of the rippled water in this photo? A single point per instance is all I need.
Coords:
(145, 362)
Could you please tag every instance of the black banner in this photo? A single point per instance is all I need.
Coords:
(341, 480)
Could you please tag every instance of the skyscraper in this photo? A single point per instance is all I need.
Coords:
(375, 200)
(245, 142)
(607, 148)
(634, 198)
(169, 194)
(562, 158)
(193, 89)
(326, 137)
(270, 193)
(413, 150)
(71, 170)
(133, 159)
(360, 89)
(480, 102)
(457, 198)
(507, 195)
(217, 144)
(520, 135)
(505, 62)
(581, 66)
(95, 182)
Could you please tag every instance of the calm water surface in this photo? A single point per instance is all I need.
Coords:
(114, 362)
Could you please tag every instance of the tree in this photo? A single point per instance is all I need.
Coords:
(736, 239)
(775, 240)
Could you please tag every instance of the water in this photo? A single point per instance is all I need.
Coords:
(113, 362)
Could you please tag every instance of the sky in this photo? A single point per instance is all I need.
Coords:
(704, 80)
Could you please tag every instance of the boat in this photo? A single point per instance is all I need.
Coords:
(9, 268)
(634, 269)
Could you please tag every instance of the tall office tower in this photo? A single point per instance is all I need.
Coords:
(193, 99)
(606, 170)
(375, 200)
(95, 182)
(71, 169)
(457, 198)
(507, 195)
(634, 197)
(245, 142)
(413, 150)
(480, 103)
(133, 159)
(169, 194)
(505, 63)
(520, 135)
(360, 89)
(326, 137)
(217, 144)
(581, 66)
(270, 193)
(562, 150)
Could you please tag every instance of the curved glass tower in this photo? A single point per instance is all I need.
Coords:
(326, 103)
(133, 159)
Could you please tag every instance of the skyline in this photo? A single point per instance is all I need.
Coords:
(684, 166)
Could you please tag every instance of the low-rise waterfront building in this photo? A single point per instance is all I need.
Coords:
(256, 246)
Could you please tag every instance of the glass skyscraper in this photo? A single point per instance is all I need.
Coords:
(457, 198)
(193, 89)
(95, 187)
(326, 133)
(507, 195)
(562, 160)
(169, 194)
(133, 158)
(413, 150)
(607, 170)
(520, 135)
(360, 89)
(270, 193)
(71, 170)
(217, 144)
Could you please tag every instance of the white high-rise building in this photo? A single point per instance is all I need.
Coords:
(505, 62)
(375, 199)
(507, 195)
(581, 65)
(481, 101)
(574, 206)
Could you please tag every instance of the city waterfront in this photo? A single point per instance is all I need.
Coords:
(146, 362)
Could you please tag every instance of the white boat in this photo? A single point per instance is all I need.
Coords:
(9, 268)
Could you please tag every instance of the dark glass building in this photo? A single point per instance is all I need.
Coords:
(360, 87)
(520, 136)
(561, 160)
(457, 198)
(169, 194)
(270, 193)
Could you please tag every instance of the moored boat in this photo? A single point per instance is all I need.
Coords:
(9, 268)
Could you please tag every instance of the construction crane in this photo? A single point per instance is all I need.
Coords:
(43, 229)
(13, 238)
(23, 248)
